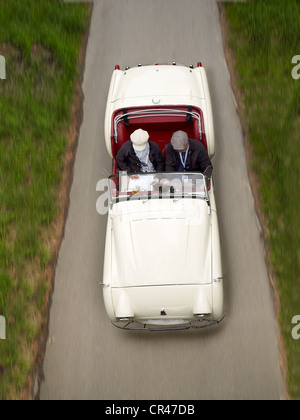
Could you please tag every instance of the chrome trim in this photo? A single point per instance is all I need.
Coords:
(202, 315)
(201, 323)
(104, 285)
(156, 112)
(125, 318)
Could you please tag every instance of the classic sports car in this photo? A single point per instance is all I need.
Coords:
(162, 264)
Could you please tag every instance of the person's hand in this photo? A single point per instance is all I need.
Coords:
(155, 181)
(134, 177)
(165, 182)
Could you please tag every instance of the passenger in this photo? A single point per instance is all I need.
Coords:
(187, 155)
(139, 155)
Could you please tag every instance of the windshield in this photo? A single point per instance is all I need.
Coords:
(164, 185)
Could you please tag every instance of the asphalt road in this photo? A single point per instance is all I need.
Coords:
(86, 357)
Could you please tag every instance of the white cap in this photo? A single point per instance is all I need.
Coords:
(139, 139)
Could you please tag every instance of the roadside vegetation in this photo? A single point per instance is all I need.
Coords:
(265, 36)
(41, 41)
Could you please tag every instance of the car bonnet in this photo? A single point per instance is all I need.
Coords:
(162, 247)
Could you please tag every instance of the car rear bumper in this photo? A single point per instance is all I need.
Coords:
(151, 325)
(165, 307)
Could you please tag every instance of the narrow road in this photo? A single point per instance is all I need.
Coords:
(86, 357)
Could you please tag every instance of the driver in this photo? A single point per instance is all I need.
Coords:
(187, 155)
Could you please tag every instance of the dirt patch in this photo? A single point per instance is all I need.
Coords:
(38, 52)
(11, 52)
(54, 239)
(254, 181)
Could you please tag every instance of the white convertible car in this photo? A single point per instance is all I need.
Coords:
(162, 264)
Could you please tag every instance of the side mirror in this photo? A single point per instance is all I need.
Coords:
(208, 173)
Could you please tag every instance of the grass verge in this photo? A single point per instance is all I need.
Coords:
(264, 36)
(41, 41)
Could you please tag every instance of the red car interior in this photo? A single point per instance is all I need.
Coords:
(160, 122)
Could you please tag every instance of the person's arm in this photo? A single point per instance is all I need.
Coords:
(205, 162)
(159, 161)
(171, 164)
(208, 171)
(122, 159)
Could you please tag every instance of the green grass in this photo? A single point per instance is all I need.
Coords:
(40, 40)
(265, 36)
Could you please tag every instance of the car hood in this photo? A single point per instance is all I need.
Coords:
(161, 243)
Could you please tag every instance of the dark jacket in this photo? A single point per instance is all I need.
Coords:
(128, 161)
(197, 160)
